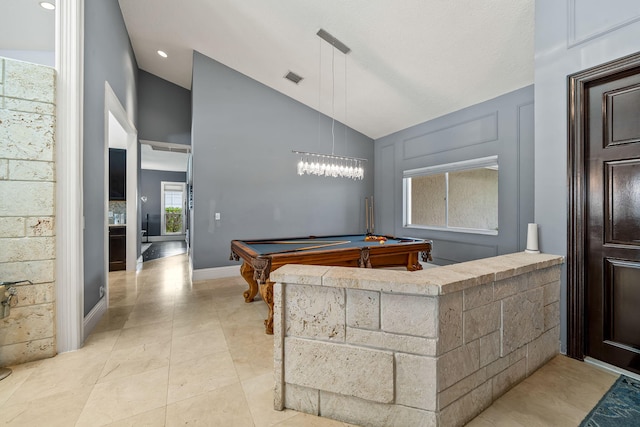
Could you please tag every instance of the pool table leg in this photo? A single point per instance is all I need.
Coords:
(247, 272)
(266, 292)
(413, 263)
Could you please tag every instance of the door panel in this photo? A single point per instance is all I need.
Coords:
(622, 300)
(612, 215)
(622, 224)
(622, 127)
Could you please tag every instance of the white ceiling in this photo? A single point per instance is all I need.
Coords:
(24, 25)
(411, 60)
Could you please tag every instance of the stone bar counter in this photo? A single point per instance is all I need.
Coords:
(425, 348)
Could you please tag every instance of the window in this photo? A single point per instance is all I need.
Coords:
(460, 196)
(173, 202)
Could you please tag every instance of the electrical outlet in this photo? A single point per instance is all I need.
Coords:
(101, 291)
(217, 216)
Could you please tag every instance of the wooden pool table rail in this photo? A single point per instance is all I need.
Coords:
(257, 267)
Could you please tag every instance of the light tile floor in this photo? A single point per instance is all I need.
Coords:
(168, 352)
(172, 352)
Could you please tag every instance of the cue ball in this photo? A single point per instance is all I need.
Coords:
(382, 242)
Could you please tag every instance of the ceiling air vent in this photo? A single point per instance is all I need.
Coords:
(291, 76)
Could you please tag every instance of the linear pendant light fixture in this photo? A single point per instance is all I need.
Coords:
(330, 164)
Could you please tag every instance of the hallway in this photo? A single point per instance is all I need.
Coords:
(171, 352)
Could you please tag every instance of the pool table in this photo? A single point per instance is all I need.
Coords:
(261, 257)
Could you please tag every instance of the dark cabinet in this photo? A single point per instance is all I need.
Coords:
(117, 174)
(117, 248)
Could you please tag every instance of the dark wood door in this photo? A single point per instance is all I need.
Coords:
(612, 250)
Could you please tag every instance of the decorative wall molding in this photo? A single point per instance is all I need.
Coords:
(466, 133)
(69, 202)
(601, 9)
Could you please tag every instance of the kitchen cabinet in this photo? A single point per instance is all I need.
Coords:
(117, 174)
(117, 247)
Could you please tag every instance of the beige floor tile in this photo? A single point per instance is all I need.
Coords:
(57, 409)
(136, 360)
(194, 313)
(18, 376)
(114, 318)
(253, 360)
(125, 397)
(145, 314)
(225, 406)
(259, 391)
(196, 376)
(200, 344)
(65, 372)
(246, 334)
(191, 325)
(145, 334)
(101, 343)
(153, 418)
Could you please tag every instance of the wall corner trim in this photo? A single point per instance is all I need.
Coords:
(69, 201)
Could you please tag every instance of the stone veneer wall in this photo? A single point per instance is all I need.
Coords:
(27, 208)
(427, 348)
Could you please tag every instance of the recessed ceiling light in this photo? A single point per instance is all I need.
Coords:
(47, 5)
(162, 53)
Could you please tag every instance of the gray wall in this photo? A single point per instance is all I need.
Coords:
(568, 40)
(242, 136)
(107, 57)
(164, 110)
(150, 187)
(502, 126)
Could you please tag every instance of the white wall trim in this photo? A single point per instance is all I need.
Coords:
(215, 273)
(69, 186)
(94, 316)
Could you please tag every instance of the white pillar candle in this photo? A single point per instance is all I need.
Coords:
(532, 239)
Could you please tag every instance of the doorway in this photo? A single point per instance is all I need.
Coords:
(604, 214)
(121, 133)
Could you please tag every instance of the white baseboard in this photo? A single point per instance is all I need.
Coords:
(215, 273)
(94, 316)
(178, 237)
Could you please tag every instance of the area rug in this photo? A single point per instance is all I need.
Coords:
(619, 407)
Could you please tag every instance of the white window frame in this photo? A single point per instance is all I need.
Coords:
(163, 228)
(484, 162)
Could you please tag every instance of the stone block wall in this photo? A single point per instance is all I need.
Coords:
(27, 209)
(427, 348)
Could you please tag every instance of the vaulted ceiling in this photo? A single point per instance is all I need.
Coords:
(410, 60)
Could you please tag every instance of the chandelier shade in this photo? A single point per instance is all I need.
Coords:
(330, 165)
